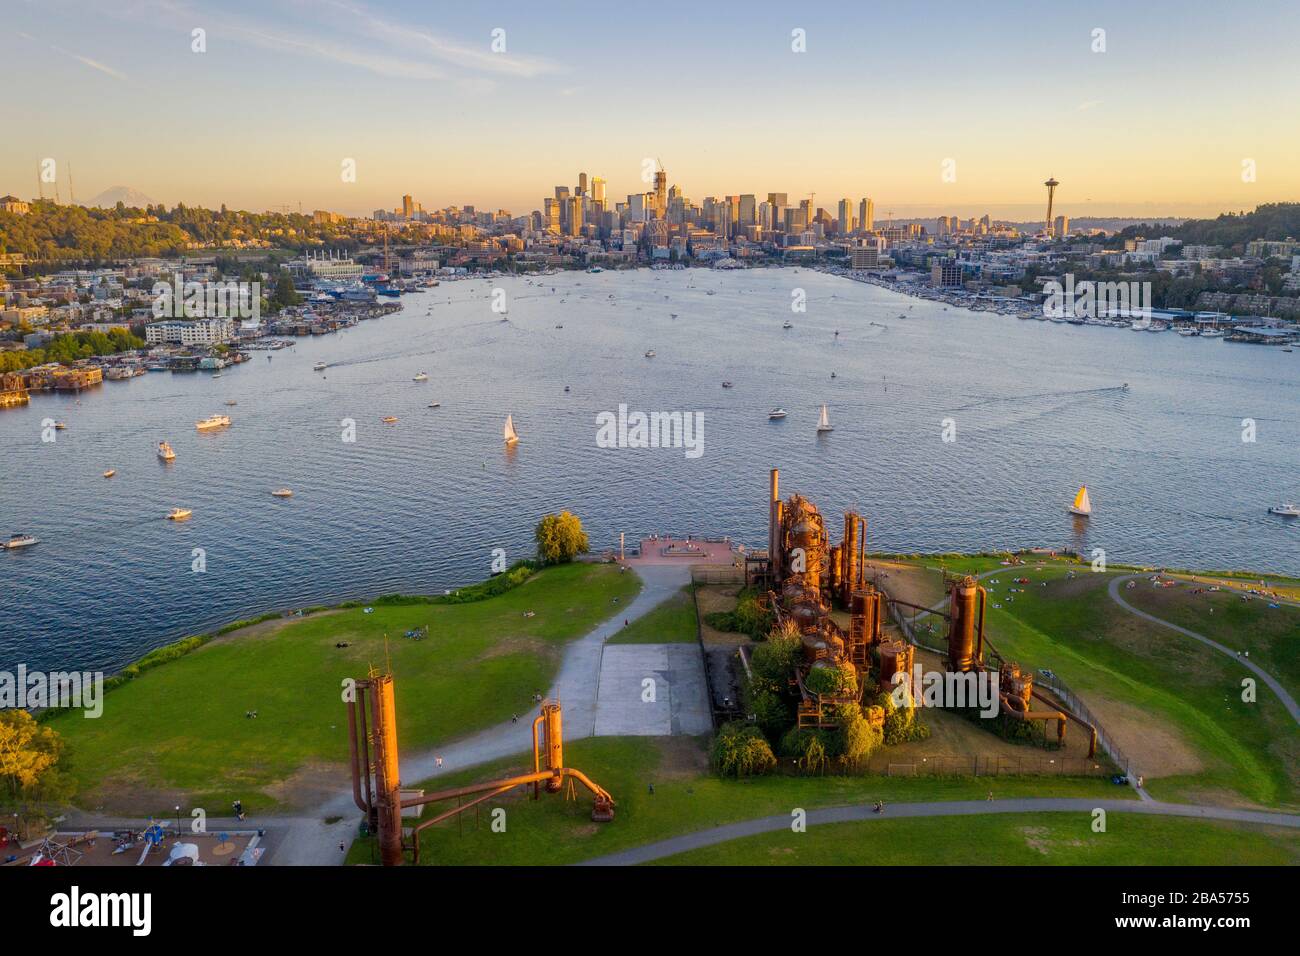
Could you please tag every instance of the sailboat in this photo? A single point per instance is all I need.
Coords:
(1082, 504)
(824, 422)
(508, 433)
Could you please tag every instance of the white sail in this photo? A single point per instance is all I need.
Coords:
(824, 423)
(1082, 503)
(509, 433)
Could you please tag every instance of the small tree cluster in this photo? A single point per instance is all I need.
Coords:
(560, 538)
(741, 750)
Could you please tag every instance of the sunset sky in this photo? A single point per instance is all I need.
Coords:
(1160, 123)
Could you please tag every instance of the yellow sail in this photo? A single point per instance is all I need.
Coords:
(1082, 505)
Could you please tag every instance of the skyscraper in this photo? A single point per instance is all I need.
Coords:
(866, 215)
(408, 207)
(598, 190)
(846, 217)
(582, 184)
(575, 215)
(748, 211)
(661, 192)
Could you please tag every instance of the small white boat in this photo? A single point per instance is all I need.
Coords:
(508, 433)
(824, 421)
(110, 473)
(179, 514)
(1212, 334)
(1187, 333)
(649, 353)
(1289, 510)
(283, 493)
(165, 451)
(435, 404)
(20, 541)
(211, 422)
(421, 377)
(231, 402)
(318, 367)
(775, 413)
(787, 324)
(1082, 503)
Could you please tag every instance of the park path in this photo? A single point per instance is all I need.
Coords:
(953, 808)
(1287, 700)
(310, 841)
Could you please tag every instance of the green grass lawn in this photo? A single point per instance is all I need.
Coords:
(179, 731)
(672, 622)
(687, 797)
(1103, 652)
(1271, 635)
(1029, 839)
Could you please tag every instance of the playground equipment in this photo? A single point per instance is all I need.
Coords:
(376, 787)
(804, 573)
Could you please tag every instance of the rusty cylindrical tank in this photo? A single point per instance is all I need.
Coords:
(387, 778)
(895, 658)
(552, 726)
(963, 655)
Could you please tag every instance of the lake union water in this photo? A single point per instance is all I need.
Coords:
(419, 506)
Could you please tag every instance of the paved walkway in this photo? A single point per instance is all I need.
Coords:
(676, 702)
(311, 841)
(1287, 700)
(865, 812)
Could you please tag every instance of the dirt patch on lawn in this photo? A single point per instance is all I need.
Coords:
(1154, 749)
(681, 757)
(310, 785)
(907, 582)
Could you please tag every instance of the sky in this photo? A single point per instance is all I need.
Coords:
(929, 108)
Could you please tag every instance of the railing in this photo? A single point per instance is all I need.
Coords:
(1069, 698)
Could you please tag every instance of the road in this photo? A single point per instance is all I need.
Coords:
(865, 812)
(1287, 700)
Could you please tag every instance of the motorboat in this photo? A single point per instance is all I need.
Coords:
(20, 541)
(60, 426)
(435, 404)
(389, 419)
(283, 493)
(318, 367)
(165, 451)
(727, 385)
(179, 514)
(775, 413)
(787, 324)
(1289, 510)
(211, 422)
(110, 473)
(1082, 505)
(649, 353)
(420, 377)
(1212, 334)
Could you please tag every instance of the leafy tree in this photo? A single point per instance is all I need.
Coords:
(740, 750)
(560, 538)
(29, 753)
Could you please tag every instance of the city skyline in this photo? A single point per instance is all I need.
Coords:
(911, 107)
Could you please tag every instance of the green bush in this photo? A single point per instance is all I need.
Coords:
(809, 747)
(741, 750)
(832, 680)
(748, 618)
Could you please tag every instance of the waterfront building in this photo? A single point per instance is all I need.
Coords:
(866, 215)
(190, 332)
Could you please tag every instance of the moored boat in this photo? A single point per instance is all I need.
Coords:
(20, 541)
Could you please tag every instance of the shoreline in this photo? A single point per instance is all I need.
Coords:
(483, 590)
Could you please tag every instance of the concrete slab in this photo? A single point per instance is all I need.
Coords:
(675, 702)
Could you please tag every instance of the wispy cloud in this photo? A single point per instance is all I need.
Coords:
(85, 60)
(1088, 104)
(348, 34)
